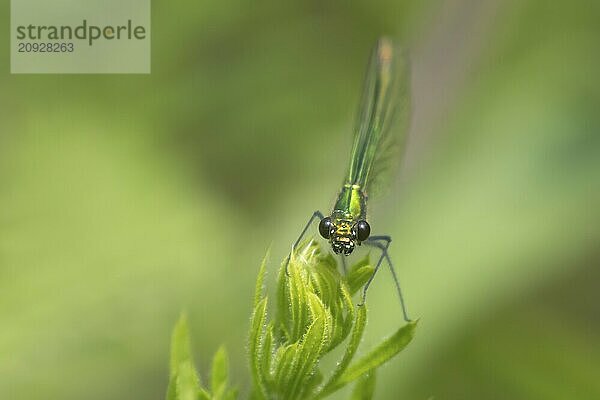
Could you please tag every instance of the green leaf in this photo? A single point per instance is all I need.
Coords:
(295, 364)
(284, 365)
(326, 280)
(312, 383)
(260, 280)
(366, 260)
(171, 388)
(359, 275)
(365, 387)
(311, 347)
(183, 378)
(220, 373)
(180, 344)
(355, 338)
(297, 288)
(283, 310)
(380, 354)
(267, 355)
(204, 395)
(343, 320)
(231, 394)
(255, 347)
(316, 313)
(187, 382)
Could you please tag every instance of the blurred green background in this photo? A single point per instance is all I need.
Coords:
(125, 199)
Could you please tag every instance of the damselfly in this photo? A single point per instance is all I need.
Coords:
(379, 133)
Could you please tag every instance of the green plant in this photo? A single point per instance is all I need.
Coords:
(315, 314)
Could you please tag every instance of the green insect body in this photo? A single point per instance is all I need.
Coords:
(381, 125)
(384, 99)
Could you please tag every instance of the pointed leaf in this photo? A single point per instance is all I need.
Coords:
(359, 277)
(187, 384)
(298, 302)
(181, 362)
(366, 260)
(220, 372)
(358, 330)
(172, 387)
(204, 395)
(267, 355)
(326, 281)
(285, 366)
(365, 387)
(283, 309)
(310, 349)
(312, 383)
(380, 354)
(255, 346)
(260, 280)
(180, 344)
(231, 394)
(344, 317)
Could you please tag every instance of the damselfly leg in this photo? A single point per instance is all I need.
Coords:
(383, 243)
(343, 262)
(316, 215)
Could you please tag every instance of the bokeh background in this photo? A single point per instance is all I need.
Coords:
(125, 199)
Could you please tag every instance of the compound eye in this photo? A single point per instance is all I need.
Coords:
(363, 230)
(325, 227)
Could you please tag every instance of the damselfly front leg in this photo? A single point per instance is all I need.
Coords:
(316, 215)
(343, 262)
(383, 243)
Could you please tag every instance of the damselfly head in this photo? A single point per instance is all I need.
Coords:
(344, 234)
(342, 245)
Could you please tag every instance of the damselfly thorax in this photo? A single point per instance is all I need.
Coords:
(346, 227)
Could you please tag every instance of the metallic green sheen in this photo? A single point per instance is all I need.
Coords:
(351, 204)
(384, 100)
